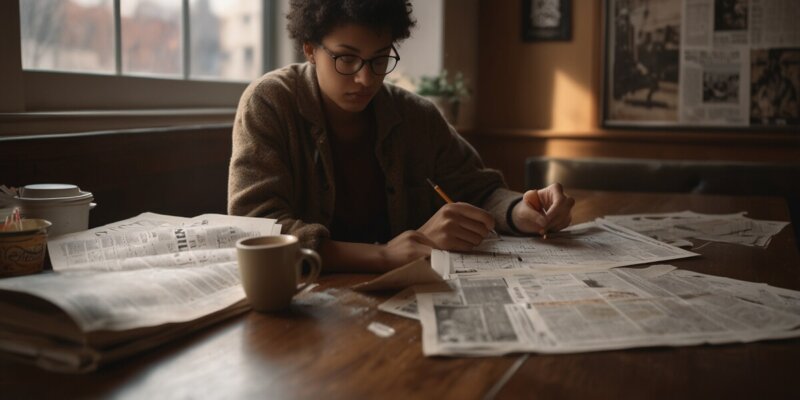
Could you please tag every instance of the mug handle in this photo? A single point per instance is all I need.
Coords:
(316, 266)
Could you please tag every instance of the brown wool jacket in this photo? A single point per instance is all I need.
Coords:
(281, 165)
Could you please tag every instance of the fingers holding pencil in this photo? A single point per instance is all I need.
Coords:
(544, 210)
(558, 206)
(531, 197)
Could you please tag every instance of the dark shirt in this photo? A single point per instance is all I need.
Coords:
(360, 210)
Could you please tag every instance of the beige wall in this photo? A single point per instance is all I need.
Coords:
(461, 35)
(537, 85)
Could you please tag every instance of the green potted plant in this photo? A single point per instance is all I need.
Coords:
(445, 92)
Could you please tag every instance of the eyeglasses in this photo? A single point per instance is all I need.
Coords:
(349, 64)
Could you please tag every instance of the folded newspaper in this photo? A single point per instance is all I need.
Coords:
(125, 287)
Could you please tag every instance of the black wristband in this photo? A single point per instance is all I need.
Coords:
(510, 219)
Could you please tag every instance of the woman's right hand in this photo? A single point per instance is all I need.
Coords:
(458, 227)
(404, 248)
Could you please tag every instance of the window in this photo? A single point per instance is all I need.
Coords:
(157, 38)
(67, 35)
(151, 37)
(89, 65)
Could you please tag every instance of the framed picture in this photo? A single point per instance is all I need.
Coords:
(546, 20)
(710, 63)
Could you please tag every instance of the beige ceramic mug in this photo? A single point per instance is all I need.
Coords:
(270, 269)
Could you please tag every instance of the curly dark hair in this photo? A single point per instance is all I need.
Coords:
(311, 20)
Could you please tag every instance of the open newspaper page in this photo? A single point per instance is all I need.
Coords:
(144, 272)
(403, 304)
(600, 310)
(676, 228)
(758, 293)
(583, 246)
(153, 240)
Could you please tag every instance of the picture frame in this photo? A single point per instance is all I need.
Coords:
(546, 20)
(720, 75)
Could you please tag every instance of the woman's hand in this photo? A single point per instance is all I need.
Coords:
(458, 227)
(557, 209)
(404, 248)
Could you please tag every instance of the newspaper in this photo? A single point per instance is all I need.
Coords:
(677, 227)
(153, 240)
(584, 247)
(590, 245)
(714, 87)
(704, 62)
(735, 62)
(601, 310)
(774, 23)
(144, 272)
(403, 304)
(715, 67)
(194, 261)
(714, 64)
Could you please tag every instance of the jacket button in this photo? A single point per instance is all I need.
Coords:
(390, 189)
(325, 186)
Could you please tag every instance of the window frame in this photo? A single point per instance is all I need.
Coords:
(43, 91)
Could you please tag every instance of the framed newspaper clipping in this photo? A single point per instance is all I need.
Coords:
(702, 63)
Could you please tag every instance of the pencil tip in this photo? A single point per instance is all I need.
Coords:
(430, 182)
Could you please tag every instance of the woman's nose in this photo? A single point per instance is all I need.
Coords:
(365, 76)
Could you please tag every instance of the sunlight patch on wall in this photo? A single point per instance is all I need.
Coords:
(572, 104)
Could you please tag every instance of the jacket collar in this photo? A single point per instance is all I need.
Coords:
(309, 103)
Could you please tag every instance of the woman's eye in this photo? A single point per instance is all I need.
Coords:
(348, 59)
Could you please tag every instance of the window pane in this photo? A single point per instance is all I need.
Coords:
(226, 37)
(151, 37)
(67, 35)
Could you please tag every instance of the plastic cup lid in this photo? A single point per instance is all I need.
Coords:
(52, 191)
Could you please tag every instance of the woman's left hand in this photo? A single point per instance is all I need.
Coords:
(556, 205)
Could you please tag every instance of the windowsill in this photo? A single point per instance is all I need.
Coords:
(57, 122)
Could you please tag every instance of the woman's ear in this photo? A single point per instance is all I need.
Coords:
(308, 50)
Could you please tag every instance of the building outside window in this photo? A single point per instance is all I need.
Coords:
(81, 36)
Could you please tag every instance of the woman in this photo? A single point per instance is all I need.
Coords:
(341, 159)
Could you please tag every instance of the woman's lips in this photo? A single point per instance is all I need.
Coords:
(359, 95)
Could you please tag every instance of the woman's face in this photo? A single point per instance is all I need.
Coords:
(349, 93)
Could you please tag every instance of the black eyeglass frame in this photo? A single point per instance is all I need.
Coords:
(363, 61)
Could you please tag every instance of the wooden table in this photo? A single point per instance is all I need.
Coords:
(322, 349)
